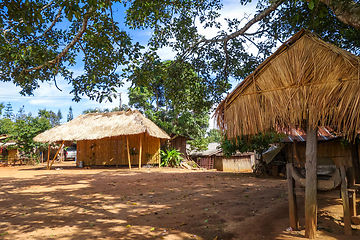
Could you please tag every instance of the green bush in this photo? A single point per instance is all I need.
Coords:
(170, 158)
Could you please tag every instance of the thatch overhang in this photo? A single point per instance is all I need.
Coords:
(94, 126)
(306, 78)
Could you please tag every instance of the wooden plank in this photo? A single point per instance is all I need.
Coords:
(52, 162)
(140, 151)
(345, 200)
(293, 211)
(311, 183)
(128, 151)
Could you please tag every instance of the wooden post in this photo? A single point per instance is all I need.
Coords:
(345, 200)
(159, 155)
(293, 213)
(311, 183)
(48, 160)
(140, 150)
(52, 162)
(128, 151)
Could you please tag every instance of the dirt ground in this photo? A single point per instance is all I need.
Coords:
(111, 203)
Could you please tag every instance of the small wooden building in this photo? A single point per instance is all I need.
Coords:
(213, 158)
(178, 142)
(116, 138)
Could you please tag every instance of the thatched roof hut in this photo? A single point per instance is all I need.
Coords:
(306, 82)
(94, 126)
(306, 78)
(116, 138)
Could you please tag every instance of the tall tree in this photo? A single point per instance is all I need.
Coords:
(70, 115)
(1, 108)
(8, 112)
(59, 116)
(172, 96)
(35, 46)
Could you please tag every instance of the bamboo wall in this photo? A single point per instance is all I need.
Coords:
(329, 153)
(113, 151)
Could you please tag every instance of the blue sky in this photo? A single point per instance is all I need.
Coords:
(49, 97)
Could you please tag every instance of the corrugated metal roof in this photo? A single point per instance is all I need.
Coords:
(299, 134)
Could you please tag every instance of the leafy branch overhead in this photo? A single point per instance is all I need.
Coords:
(42, 41)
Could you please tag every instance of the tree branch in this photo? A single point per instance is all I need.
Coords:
(47, 30)
(226, 38)
(67, 48)
(347, 12)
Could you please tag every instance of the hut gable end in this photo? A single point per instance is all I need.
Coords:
(304, 77)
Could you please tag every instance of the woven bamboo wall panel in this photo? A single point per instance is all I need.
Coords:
(113, 151)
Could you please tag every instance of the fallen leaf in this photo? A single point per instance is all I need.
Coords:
(152, 229)
(128, 226)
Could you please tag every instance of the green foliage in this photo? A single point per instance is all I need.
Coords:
(214, 135)
(24, 130)
(170, 158)
(172, 96)
(43, 40)
(248, 143)
(53, 118)
(1, 108)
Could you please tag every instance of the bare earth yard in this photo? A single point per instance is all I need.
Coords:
(74, 203)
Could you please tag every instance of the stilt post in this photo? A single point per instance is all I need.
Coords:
(140, 151)
(128, 151)
(293, 211)
(311, 183)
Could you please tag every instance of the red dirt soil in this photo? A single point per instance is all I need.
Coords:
(111, 203)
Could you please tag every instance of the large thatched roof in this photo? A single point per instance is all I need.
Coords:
(101, 125)
(306, 78)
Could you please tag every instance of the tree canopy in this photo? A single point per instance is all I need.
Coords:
(173, 96)
(42, 40)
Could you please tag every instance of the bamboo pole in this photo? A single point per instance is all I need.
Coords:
(159, 155)
(140, 150)
(128, 151)
(311, 183)
(48, 160)
(52, 162)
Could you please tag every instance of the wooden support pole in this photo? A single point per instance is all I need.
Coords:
(52, 162)
(48, 160)
(128, 151)
(293, 211)
(311, 183)
(159, 155)
(140, 151)
(345, 200)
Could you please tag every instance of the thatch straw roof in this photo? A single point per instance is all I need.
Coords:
(306, 78)
(102, 125)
